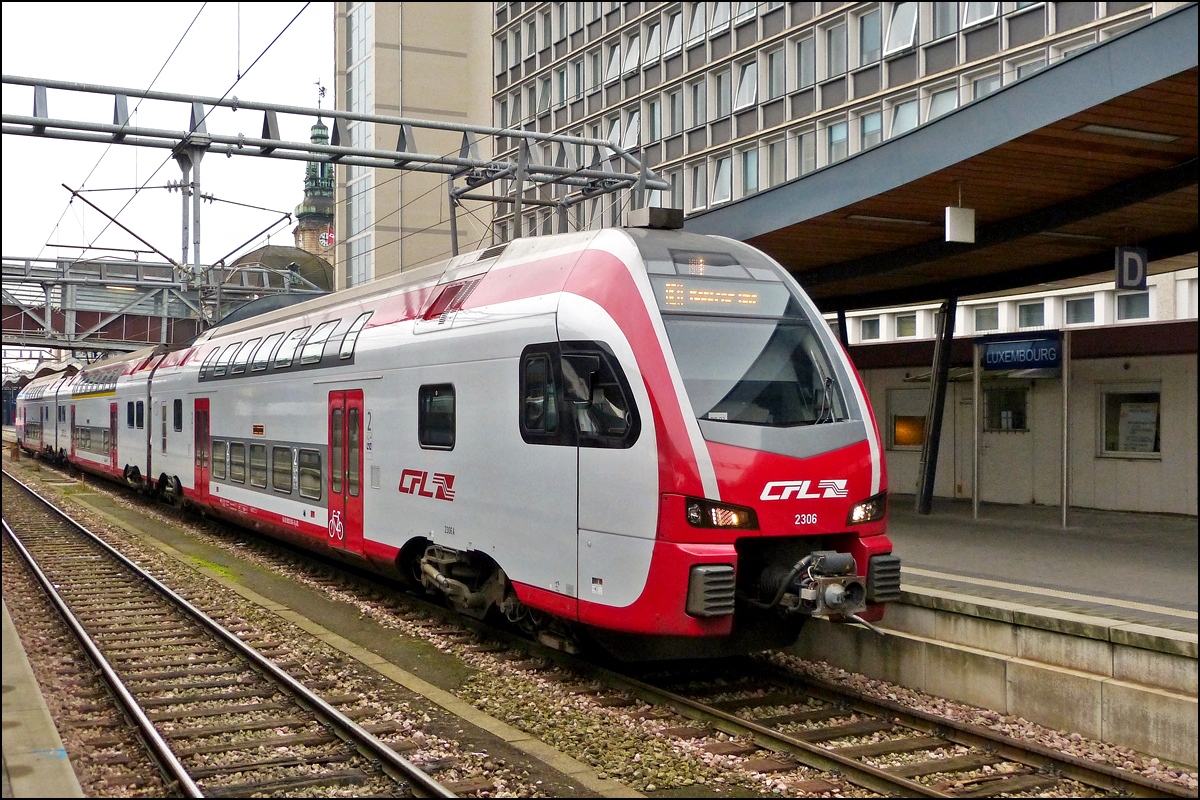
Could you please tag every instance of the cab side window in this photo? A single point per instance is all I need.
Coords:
(542, 403)
(599, 396)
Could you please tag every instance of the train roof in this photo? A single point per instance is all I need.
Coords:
(464, 265)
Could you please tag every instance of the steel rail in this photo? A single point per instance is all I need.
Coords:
(1102, 776)
(153, 739)
(365, 742)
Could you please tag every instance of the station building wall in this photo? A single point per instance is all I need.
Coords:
(1021, 463)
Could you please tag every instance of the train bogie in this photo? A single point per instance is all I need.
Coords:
(651, 435)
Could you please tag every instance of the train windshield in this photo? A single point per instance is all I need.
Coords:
(747, 353)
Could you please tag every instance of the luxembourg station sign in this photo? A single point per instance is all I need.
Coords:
(1038, 351)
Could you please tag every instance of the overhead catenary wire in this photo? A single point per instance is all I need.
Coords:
(108, 147)
(199, 123)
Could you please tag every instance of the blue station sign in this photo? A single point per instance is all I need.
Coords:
(1043, 351)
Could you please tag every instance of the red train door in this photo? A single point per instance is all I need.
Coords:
(346, 469)
(201, 449)
(112, 435)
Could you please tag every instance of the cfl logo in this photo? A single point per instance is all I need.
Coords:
(786, 490)
(414, 481)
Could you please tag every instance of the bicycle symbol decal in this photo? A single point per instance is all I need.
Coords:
(336, 531)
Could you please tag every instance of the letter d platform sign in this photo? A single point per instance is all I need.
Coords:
(1131, 267)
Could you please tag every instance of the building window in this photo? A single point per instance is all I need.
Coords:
(633, 53)
(869, 42)
(614, 63)
(1080, 310)
(654, 120)
(699, 103)
(723, 182)
(281, 469)
(906, 326)
(674, 32)
(653, 42)
(978, 12)
(982, 87)
(720, 17)
(1129, 306)
(1004, 408)
(1131, 421)
(724, 95)
(1030, 67)
(696, 31)
(837, 141)
(675, 107)
(699, 186)
(942, 102)
(747, 91)
(872, 129)
(806, 62)
(1031, 315)
(749, 172)
(745, 11)
(987, 318)
(945, 18)
(904, 117)
(436, 417)
(777, 162)
(544, 95)
(908, 431)
(835, 50)
(903, 28)
(807, 146)
(868, 328)
(776, 75)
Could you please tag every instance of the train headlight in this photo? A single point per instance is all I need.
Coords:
(707, 514)
(869, 510)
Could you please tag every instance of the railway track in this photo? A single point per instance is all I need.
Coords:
(776, 720)
(219, 717)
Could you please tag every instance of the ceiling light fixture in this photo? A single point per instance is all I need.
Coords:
(1129, 133)
(895, 220)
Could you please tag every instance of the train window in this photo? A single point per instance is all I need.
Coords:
(218, 460)
(141, 414)
(243, 357)
(262, 356)
(129, 414)
(178, 415)
(351, 337)
(206, 365)
(435, 417)
(353, 452)
(62, 413)
(281, 469)
(222, 364)
(310, 474)
(164, 427)
(314, 346)
(258, 465)
(599, 396)
(335, 450)
(283, 357)
(237, 462)
(540, 397)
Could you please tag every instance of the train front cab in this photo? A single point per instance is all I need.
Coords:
(788, 518)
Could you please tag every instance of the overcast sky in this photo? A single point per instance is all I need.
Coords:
(125, 45)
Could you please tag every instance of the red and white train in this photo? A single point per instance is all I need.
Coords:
(648, 434)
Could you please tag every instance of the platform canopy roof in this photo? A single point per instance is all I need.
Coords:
(1093, 152)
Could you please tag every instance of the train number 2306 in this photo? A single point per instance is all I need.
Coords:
(806, 519)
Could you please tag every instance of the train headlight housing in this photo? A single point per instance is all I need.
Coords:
(707, 514)
(869, 510)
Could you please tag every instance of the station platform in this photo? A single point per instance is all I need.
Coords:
(1135, 568)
